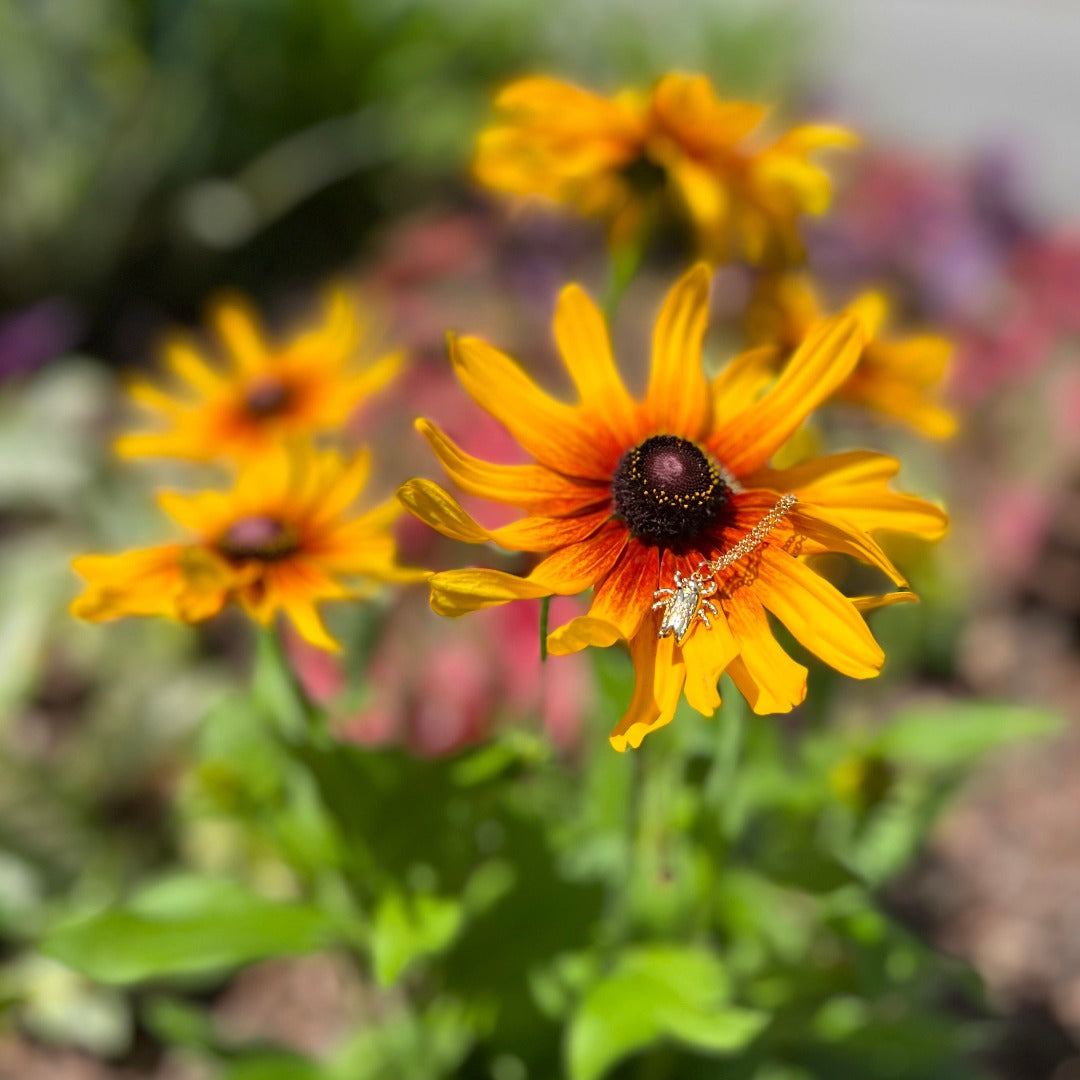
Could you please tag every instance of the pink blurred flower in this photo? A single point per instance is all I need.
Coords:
(1049, 271)
(438, 687)
(1066, 399)
(1005, 352)
(1016, 520)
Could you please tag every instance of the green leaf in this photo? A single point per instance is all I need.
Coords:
(408, 1045)
(720, 1032)
(274, 1067)
(656, 993)
(956, 733)
(183, 926)
(178, 1022)
(408, 928)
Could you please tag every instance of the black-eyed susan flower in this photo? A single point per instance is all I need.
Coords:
(625, 494)
(622, 158)
(283, 539)
(900, 379)
(263, 392)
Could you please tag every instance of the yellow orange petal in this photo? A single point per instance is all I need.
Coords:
(921, 360)
(855, 485)
(678, 394)
(192, 369)
(742, 383)
(140, 445)
(819, 617)
(579, 633)
(172, 580)
(310, 626)
(150, 397)
(820, 365)
(689, 107)
(205, 513)
(707, 653)
(552, 432)
(579, 566)
(658, 683)
(455, 592)
(871, 309)
(706, 202)
(808, 137)
(582, 337)
(533, 488)
(832, 533)
(441, 511)
(765, 675)
(373, 378)
(625, 597)
(871, 603)
(570, 106)
(542, 534)
(335, 485)
(807, 187)
(238, 325)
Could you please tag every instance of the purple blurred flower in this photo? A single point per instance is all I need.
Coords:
(958, 247)
(33, 336)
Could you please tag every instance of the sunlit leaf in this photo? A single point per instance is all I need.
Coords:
(407, 928)
(657, 993)
(186, 926)
(958, 732)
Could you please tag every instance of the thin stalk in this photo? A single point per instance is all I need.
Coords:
(622, 269)
(277, 689)
(545, 606)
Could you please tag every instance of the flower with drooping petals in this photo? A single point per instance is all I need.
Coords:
(264, 393)
(898, 379)
(281, 540)
(623, 493)
(622, 158)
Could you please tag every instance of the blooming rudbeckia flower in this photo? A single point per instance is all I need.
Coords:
(281, 540)
(898, 379)
(623, 494)
(612, 158)
(265, 392)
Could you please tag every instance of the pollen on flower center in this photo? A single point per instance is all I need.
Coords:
(258, 537)
(266, 396)
(668, 490)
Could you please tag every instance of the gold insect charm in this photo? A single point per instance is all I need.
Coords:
(685, 604)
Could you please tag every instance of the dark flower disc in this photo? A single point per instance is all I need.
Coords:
(669, 491)
(267, 396)
(257, 537)
(644, 175)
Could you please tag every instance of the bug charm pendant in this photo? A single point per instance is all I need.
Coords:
(685, 604)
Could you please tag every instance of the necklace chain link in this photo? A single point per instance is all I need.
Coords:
(751, 541)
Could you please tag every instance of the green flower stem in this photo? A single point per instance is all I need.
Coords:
(729, 751)
(545, 607)
(278, 692)
(625, 262)
(619, 906)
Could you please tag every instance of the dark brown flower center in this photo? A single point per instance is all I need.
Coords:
(258, 537)
(668, 490)
(267, 396)
(644, 175)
